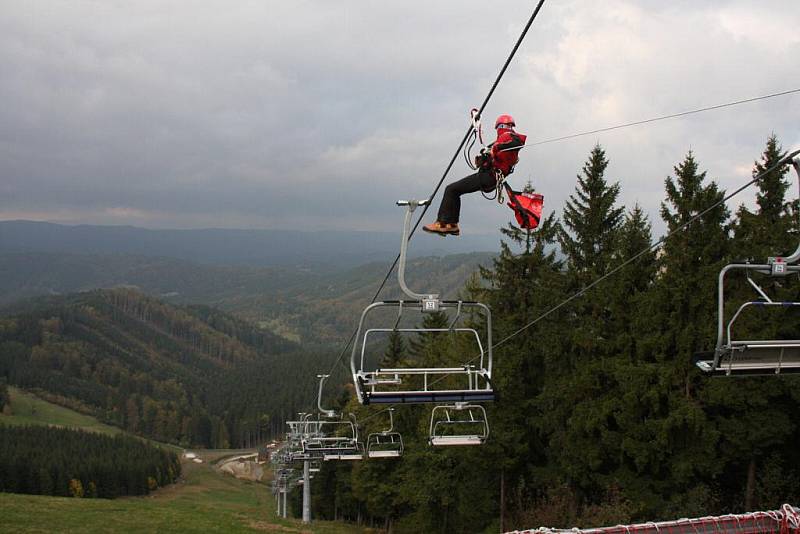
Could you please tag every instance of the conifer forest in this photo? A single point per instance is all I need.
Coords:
(71, 463)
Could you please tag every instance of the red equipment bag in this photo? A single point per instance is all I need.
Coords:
(527, 207)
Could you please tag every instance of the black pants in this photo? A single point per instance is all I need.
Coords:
(450, 207)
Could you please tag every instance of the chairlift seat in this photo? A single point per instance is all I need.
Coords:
(343, 455)
(446, 441)
(467, 383)
(414, 397)
(458, 425)
(753, 358)
(384, 454)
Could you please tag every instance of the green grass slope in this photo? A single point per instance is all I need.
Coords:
(28, 409)
(204, 500)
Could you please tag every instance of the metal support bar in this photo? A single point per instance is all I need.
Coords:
(323, 411)
(306, 492)
(431, 300)
(758, 288)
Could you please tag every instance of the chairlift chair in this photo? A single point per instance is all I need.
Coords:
(457, 383)
(458, 425)
(333, 439)
(735, 357)
(387, 443)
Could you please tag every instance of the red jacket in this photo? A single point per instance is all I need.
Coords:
(505, 151)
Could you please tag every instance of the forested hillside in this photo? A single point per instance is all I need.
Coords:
(189, 375)
(602, 418)
(73, 463)
(300, 304)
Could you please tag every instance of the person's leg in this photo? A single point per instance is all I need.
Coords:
(450, 208)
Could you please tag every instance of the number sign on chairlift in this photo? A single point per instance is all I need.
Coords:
(458, 425)
(733, 357)
(463, 382)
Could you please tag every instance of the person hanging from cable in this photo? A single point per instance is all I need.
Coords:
(494, 163)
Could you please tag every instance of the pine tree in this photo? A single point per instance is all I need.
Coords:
(588, 238)
(739, 410)
(591, 220)
(628, 287)
(680, 320)
(395, 350)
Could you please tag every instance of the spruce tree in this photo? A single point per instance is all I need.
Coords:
(753, 414)
(524, 281)
(628, 287)
(681, 308)
(591, 220)
(588, 238)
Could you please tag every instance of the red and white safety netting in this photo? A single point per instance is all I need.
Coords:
(783, 521)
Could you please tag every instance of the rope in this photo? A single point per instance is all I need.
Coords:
(656, 119)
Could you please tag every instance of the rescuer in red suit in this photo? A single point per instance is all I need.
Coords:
(499, 159)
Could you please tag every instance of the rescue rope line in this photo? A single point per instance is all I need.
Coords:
(661, 118)
(448, 168)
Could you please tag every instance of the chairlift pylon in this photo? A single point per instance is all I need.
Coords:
(458, 424)
(402, 385)
(734, 357)
(387, 443)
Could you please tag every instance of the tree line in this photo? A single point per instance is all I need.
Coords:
(602, 418)
(73, 463)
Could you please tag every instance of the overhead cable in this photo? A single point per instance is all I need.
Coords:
(661, 118)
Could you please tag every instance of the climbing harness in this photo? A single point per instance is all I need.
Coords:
(759, 356)
(400, 385)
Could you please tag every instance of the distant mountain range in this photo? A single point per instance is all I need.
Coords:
(263, 248)
(301, 286)
(298, 304)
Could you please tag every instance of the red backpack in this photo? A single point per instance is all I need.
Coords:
(527, 207)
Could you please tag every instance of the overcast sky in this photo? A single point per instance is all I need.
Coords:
(320, 114)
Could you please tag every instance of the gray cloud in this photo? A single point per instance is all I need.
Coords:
(275, 114)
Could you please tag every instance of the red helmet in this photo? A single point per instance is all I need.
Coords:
(504, 121)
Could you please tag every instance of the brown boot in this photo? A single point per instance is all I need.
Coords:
(443, 229)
